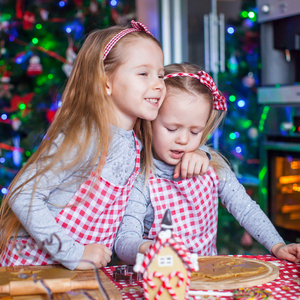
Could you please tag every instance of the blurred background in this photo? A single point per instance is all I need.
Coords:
(39, 40)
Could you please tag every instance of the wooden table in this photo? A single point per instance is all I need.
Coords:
(286, 286)
(52, 272)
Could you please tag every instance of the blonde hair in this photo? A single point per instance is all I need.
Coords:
(85, 116)
(194, 86)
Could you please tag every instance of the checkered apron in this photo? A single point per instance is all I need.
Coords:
(194, 208)
(92, 216)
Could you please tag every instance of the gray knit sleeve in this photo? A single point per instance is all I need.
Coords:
(246, 211)
(131, 230)
(206, 150)
(36, 217)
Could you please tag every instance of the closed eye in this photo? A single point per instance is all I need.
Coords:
(171, 130)
(143, 74)
(194, 133)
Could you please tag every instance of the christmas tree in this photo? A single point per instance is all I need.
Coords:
(239, 135)
(38, 44)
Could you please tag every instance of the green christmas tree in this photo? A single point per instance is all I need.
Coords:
(39, 41)
(239, 135)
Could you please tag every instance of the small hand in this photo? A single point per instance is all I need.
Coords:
(144, 247)
(290, 252)
(192, 164)
(98, 254)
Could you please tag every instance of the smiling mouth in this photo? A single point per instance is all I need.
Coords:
(152, 100)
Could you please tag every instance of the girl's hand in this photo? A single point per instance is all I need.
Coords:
(144, 247)
(290, 252)
(192, 164)
(98, 254)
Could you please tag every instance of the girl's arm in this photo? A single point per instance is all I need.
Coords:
(246, 211)
(37, 218)
(130, 234)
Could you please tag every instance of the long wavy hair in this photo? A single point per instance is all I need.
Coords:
(192, 85)
(85, 116)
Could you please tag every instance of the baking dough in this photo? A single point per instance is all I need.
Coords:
(226, 267)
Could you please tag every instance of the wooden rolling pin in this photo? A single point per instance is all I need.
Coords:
(62, 285)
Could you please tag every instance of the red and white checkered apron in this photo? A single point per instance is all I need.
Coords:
(194, 207)
(92, 216)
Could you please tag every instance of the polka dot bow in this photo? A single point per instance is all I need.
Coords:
(204, 78)
(136, 26)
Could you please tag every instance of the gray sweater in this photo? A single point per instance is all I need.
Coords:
(56, 188)
(138, 217)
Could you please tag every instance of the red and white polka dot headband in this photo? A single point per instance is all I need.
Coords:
(136, 26)
(204, 78)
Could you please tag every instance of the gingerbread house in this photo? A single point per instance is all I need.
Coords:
(167, 265)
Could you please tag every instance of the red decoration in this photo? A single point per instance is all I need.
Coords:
(20, 4)
(28, 20)
(7, 121)
(165, 282)
(10, 148)
(34, 68)
(50, 114)
(5, 85)
(78, 2)
(17, 100)
(5, 77)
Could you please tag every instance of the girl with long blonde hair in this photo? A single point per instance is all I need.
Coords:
(66, 203)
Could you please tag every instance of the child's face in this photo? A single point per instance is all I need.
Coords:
(137, 87)
(179, 126)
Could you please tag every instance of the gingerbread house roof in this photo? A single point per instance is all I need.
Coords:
(174, 243)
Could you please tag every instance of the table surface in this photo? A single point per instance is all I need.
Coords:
(286, 286)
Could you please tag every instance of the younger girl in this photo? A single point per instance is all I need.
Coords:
(191, 111)
(66, 203)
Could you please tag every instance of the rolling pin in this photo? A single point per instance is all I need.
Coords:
(62, 285)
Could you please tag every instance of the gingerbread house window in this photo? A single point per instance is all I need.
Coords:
(165, 260)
